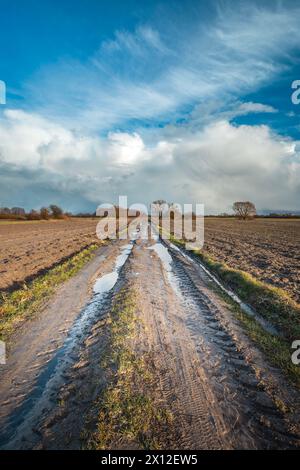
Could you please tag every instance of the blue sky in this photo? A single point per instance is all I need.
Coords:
(189, 101)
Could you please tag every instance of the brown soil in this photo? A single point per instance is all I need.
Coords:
(266, 248)
(29, 248)
(269, 249)
(217, 386)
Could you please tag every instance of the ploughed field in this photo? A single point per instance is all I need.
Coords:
(269, 249)
(28, 248)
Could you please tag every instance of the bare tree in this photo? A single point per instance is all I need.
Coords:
(244, 209)
(18, 211)
(45, 213)
(160, 206)
(57, 212)
(5, 210)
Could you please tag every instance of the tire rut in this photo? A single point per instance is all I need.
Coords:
(253, 421)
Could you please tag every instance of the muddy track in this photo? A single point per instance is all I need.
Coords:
(250, 418)
(214, 382)
(42, 352)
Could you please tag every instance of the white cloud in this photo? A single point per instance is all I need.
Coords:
(250, 107)
(88, 136)
(125, 148)
(137, 43)
(215, 165)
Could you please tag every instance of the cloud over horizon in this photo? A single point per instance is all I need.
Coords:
(153, 112)
(216, 165)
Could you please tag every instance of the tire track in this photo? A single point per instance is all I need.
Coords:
(204, 376)
(30, 398)
(247, 407)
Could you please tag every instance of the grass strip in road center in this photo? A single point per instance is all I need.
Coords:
(127, 416)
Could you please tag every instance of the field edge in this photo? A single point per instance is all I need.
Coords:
(270, 302)
(21, 304)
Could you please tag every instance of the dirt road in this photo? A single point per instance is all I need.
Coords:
(220, 391)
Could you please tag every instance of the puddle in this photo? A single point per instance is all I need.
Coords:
(21, 421)
(163, 254)
(106, 282)
(166, 259)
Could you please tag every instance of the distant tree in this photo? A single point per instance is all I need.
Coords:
(45, 213)
(244, 209)
(5, 210)
(224, 214)
(33, 215)
(159, 202)
(18, 211)
(57, 212)
(160, 206)
(82, 214)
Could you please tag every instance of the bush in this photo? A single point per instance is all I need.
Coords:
(57, 212)
(34, 215)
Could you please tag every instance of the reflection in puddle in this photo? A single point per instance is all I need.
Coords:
(163, 254)
(106, 282)
(21, 421)
(166, 259)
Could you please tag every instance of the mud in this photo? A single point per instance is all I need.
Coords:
(266, 248)
(217, 386)
(41, 352)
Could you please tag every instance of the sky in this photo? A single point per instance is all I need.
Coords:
(184, 101)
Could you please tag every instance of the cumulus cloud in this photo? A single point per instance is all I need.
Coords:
(216, 165)
(108, 125)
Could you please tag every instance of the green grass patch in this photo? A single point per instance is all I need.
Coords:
(276, 349)
(21, 304)
(126, 413)
(272, 303)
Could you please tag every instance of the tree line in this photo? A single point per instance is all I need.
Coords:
(44, 213)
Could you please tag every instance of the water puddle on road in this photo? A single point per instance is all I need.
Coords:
(166, 259)
(22, 420)
(106, 282)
